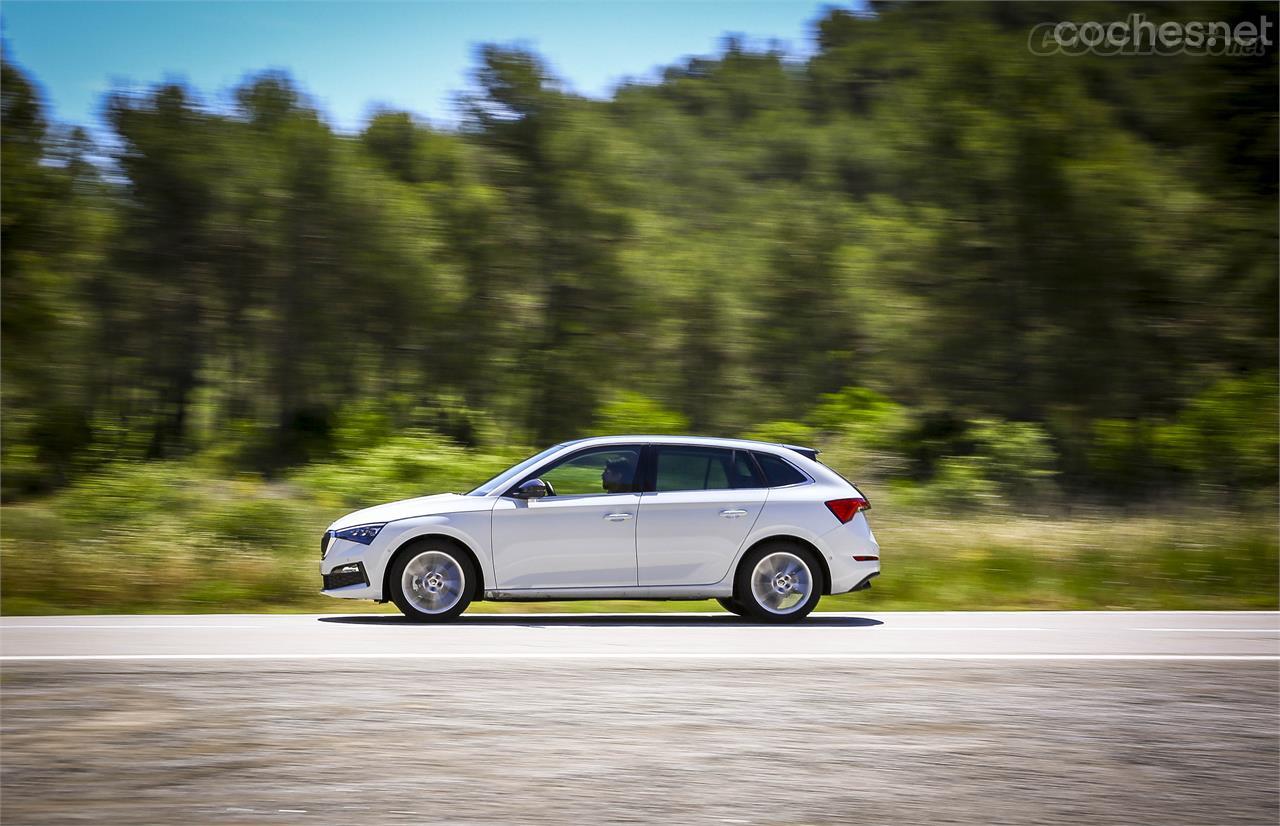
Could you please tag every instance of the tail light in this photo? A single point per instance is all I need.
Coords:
(846, 509)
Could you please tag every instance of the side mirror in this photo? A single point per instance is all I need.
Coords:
(533, 489)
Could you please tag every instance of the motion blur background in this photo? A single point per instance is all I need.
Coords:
(1027, 303)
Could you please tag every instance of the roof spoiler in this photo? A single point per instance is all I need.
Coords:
(806, 452)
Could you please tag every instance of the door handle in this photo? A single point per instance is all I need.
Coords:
(733, 513)
(619, 517)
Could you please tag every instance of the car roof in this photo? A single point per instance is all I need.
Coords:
(702, 441)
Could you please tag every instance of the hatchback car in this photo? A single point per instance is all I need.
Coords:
(765, 529)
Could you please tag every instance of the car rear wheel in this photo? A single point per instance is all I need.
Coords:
(732, 606)
(778, 582)
(432, 582)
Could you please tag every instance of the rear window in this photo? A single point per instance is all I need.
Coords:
(701, 468)
(778, 471)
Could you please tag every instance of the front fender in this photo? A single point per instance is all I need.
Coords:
(471, 529)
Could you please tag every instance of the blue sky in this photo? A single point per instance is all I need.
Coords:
(348, 55)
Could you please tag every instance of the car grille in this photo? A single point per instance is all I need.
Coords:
(345, 575)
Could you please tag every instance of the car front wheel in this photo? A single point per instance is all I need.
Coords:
(778, 582)
(432, 582)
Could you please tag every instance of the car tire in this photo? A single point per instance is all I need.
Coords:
(732, 606)
(778, 582)
(432, 581)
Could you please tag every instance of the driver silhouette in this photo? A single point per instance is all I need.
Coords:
(616, 477)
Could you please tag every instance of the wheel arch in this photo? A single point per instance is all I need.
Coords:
(407, 544)
(798, 540)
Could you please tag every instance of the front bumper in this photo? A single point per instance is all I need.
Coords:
(348, 569)
(345, 576)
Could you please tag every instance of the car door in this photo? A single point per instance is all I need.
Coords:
(700, 503)
(582, 535)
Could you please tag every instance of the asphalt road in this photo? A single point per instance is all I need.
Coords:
(1163, 718)
(683, 637)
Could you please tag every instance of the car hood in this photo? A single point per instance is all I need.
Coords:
(409, 508)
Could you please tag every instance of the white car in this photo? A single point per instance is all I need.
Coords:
(765, 529)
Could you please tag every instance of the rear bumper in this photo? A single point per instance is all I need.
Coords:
(853, 555)
(858, 578)
(864, 584)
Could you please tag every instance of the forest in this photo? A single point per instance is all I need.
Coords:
(989, 285)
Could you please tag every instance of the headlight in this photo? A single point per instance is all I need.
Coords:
(363, 534)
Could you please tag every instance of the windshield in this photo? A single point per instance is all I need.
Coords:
(512, 473)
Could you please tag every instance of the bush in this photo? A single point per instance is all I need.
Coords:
(874, 421)
(1017, 456)
(415, 463)
(1227, 436)
(1225, 440)
(784, 432)
(858, 430)
(629, 412)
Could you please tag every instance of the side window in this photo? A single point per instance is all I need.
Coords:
(703, 468)
(778, 471)
(605, 470)
(745, 470)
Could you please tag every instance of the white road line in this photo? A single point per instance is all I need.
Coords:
(949, 628)
(1216, 630)
(879, 628)
(763, 657)
(1061, 630)
(69, 626)
(465, 624)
